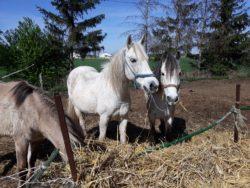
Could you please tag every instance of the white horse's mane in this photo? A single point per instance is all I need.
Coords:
(114, 71)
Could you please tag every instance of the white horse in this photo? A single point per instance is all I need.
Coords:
(107, 92)
(161, 105)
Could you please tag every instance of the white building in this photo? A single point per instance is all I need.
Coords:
(105, 55)
(76, 55)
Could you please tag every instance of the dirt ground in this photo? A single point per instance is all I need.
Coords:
(204, 100)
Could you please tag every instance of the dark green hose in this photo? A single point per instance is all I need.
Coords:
(186, 137)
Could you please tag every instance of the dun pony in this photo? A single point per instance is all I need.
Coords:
(29, 116)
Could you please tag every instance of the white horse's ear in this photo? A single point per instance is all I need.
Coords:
(129, 41)
(143, 39)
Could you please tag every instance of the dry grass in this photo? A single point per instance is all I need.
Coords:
(209, 160)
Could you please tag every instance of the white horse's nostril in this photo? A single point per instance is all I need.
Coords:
(169, 98)
(176, 99)
(153, 86)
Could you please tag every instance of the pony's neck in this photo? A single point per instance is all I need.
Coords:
(114, 73)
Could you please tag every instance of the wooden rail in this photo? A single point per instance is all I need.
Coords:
(237, 105)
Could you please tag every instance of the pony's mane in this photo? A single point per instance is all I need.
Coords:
(114, 71)
(22, 90)
(171, 63)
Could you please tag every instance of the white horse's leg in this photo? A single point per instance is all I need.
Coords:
(122, 131)
(103, 124)
(81, 120)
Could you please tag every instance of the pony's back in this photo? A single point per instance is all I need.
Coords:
(24, 107)
(7, 108)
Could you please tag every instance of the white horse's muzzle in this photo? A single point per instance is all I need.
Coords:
(149, 84)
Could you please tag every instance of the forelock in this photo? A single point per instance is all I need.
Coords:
(140, 52)
(171, 64)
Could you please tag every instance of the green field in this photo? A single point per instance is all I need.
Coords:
(187, 64)
(93, 62)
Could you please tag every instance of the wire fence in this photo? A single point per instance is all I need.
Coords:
(13, 73)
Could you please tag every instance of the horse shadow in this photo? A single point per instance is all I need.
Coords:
(11, 161)
(45, 149)
(135, 134)
(139, 134)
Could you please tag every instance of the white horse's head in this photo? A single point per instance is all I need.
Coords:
(136, 65)
(170, 79)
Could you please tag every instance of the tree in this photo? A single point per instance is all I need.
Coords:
(227, 46)
(177, 31)
(143, 23)
(75, 34)
(206, 14)
(28, 45)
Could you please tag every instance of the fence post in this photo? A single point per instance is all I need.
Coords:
(237, 105)
(65, 134)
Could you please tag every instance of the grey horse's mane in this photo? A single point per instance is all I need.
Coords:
(171, 63)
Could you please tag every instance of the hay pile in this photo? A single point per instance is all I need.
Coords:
(210, 159)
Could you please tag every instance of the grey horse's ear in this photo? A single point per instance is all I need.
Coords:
(178, 55)
(129, 41)
(143, 39)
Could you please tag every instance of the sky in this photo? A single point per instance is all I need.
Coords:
(116, 11)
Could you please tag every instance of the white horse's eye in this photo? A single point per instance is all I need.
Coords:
(133, 60)
(162, 74)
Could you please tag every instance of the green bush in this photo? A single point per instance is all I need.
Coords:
(27, 45)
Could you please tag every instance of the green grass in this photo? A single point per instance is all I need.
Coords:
(93, 62)
(244, 71)
(187, 64)
(97, 63)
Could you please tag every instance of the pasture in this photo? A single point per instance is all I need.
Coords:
(187, 64)
(208, 160)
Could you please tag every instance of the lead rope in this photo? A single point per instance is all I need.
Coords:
(151, 98)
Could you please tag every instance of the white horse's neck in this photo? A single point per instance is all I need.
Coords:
(114, 73)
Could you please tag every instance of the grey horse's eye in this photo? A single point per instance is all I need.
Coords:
(162, 74)
(133, 60)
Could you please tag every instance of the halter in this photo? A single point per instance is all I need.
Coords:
(170, 85)
(136, 75)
